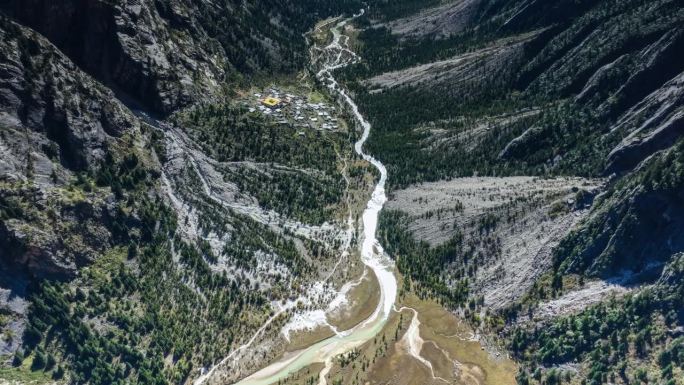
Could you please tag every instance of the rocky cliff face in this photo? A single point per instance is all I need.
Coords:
(56, 121)
(636, 226)
(69, 73)
(157, 55)
(166, 54)
(46, 94)
(113, 220)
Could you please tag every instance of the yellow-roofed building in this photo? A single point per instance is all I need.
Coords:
(271, 102)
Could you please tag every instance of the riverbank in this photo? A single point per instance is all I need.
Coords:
(406, 342)
(332, 56)
(448, 352)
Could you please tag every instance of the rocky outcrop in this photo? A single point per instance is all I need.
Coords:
(67, 117)
(33, 251)
(601, 80)
(673, 274)
(55, 121)
(636, 225)
(649, 104)
(49, 234)
(654, 67)
(129, 45)
(639, 144)
(438, 22)
(519, 143)
(577, 49)
(653, 124)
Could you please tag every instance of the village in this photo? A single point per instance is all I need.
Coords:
(302, 112)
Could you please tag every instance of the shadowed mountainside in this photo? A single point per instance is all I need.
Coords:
(469, 98)
(127, 255)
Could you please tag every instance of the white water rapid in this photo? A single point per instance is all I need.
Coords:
(336, 55)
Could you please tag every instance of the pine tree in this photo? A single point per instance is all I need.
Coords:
(18, 358)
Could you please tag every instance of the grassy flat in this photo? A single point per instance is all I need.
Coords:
(444, 329)
(304, 338)
(363, 299)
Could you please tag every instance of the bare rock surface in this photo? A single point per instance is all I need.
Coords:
(532, 215)
(13, 306)
(131, 45)
(468, 67)
(70, 117)
(439, 22)
(56, 121)
(664, 125)
(577, 300)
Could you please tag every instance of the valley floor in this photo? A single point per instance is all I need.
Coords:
(421, 342)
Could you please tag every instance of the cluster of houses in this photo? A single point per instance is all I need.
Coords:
(295, 110)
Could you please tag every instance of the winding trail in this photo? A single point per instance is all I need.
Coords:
(233, 356)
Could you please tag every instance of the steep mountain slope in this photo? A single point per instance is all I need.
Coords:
(516, 92)
(479, 107)
(56, 121)
(132, 252)
(634, 230)
(169, 54)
